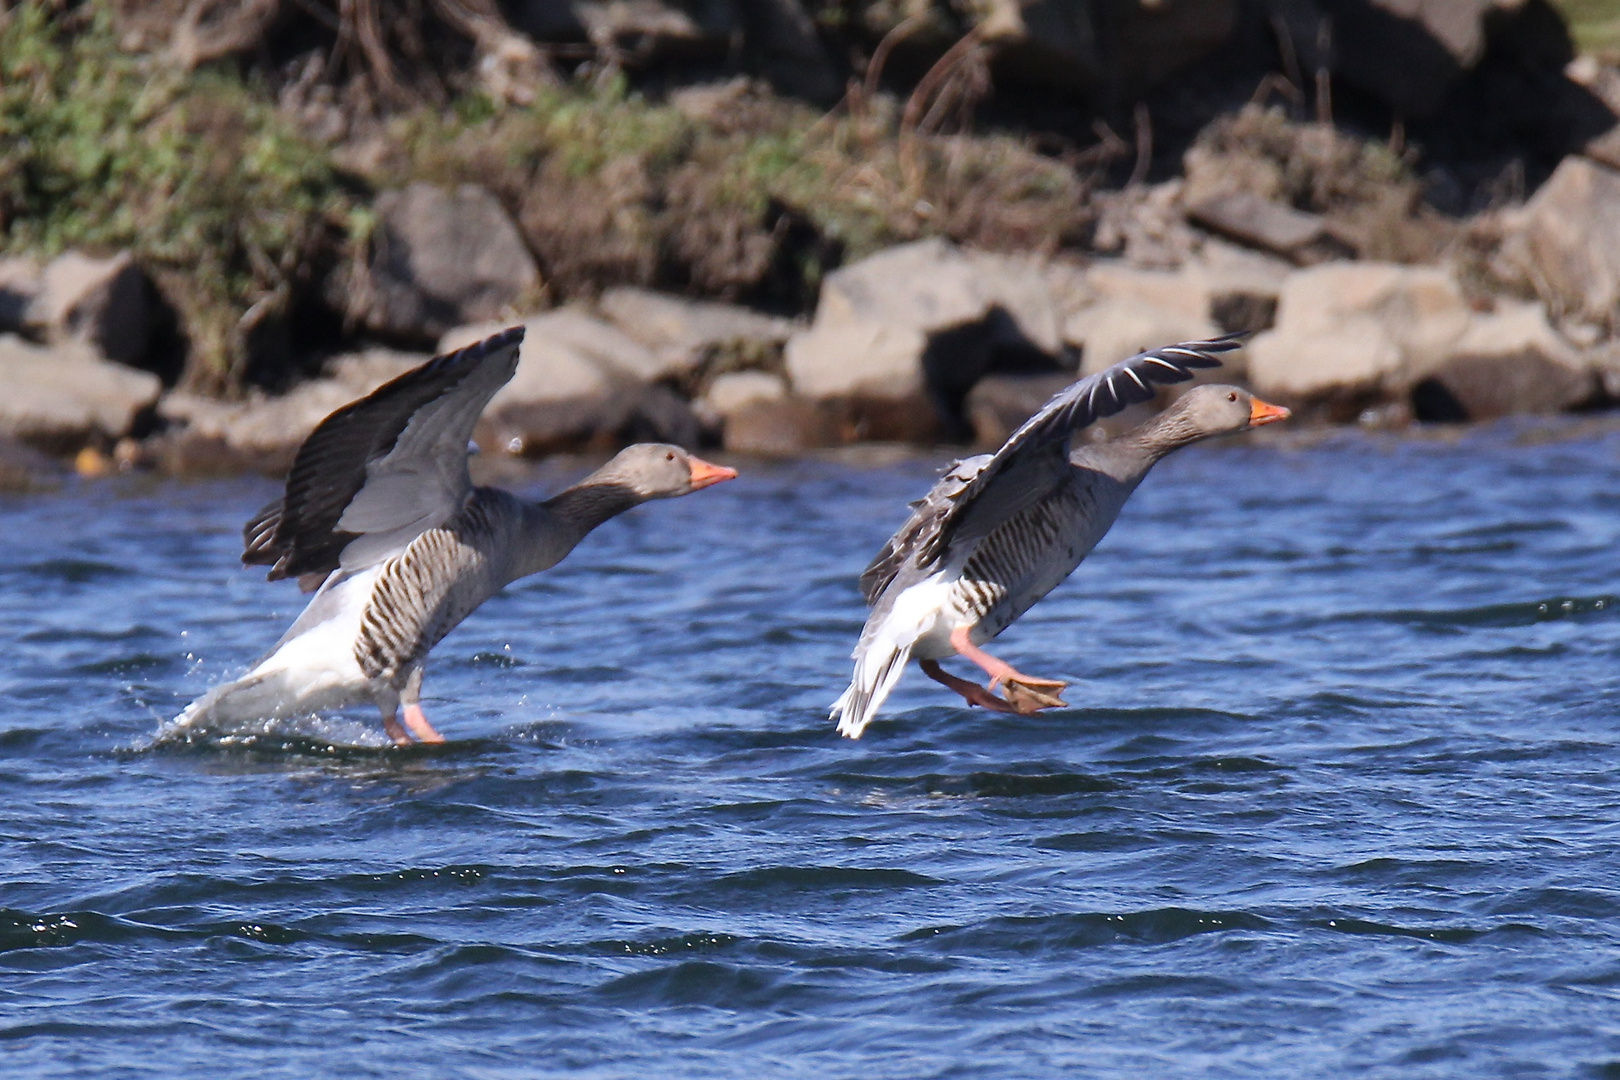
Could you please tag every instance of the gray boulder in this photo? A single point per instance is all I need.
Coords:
(264, 432)
(1566, 241)
(60, 398)
(19, 285)
(1352, 332)
(685, 332)
(444, 258)
(999, 403)
(581, 381)
(919, 324)
(104, 303)
(1508, 361)
(777, 427)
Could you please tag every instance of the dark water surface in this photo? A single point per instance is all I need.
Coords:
(1337, 795)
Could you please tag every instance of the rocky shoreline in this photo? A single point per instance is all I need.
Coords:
(671, 293)
(922, 343)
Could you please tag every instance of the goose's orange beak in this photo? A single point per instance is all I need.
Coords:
(1263, 412)
(706, 474)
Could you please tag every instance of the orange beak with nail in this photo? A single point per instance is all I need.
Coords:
(706, 474)
(1263, 412)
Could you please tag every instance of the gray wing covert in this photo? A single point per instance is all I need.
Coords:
(382, 470)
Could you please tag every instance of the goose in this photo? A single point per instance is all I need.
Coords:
(997, 532)
(381, 520)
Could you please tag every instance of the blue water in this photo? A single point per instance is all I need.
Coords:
(1336, 797)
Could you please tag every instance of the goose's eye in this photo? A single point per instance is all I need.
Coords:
(671, 456)
(1231, 397)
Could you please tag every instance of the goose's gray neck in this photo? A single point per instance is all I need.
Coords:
(591, 502)
(551, 529)
(1128, 457)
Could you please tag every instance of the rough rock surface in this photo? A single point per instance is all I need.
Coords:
(911, 329)
(443, 258)
(1352, 330)
(999, 403)
(1110, 331)
(734, 391)
(781, 426)
(101, 302)
(580, 381)
(1567, 241)
(19, 285)
(1510, 361)
(61, 397)
(264, 432)
(1261, 222)
(683, 331)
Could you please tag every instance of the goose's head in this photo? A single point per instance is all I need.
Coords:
(1215, 409)
(661, 471)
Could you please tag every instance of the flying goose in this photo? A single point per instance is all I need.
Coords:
(999, 531)
(380, 519)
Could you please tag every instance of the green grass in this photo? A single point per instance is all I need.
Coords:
(1594, 24)
(195, 174)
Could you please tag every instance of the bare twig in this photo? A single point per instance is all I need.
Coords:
(1144, 145)
(1324, 71)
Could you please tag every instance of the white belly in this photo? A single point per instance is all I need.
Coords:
(312, 668)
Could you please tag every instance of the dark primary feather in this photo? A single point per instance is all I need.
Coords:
(1034, 456)
(297, 534)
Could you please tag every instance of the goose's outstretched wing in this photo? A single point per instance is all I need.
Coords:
(980, 493)
(380, 471)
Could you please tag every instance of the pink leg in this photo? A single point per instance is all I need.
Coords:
(415, 718)
(1025, 693)
(973, 693)
(417, 721)
(391, 725)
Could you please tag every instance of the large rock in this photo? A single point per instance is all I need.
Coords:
(104, 303)
(1229, 286)
(1111, 52)
(60, 398)
(684, 332)
(1509, 361)
(1410, 54)
(1358, 331)
(19, 285)
(735, 391)
(1567, 241)
(775, 427)
(264, 432)
(443, 258)
(580, 381)
(1264, 223)
(921, 323)
(1110, 331)
(999, 403)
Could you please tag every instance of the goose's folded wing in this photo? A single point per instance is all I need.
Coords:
(971, 502)
(926, 513)
(380, 471)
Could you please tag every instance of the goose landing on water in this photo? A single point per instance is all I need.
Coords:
(1000, 531)
(381, 518)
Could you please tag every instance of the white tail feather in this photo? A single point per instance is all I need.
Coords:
(876, 672)
(884, 650)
